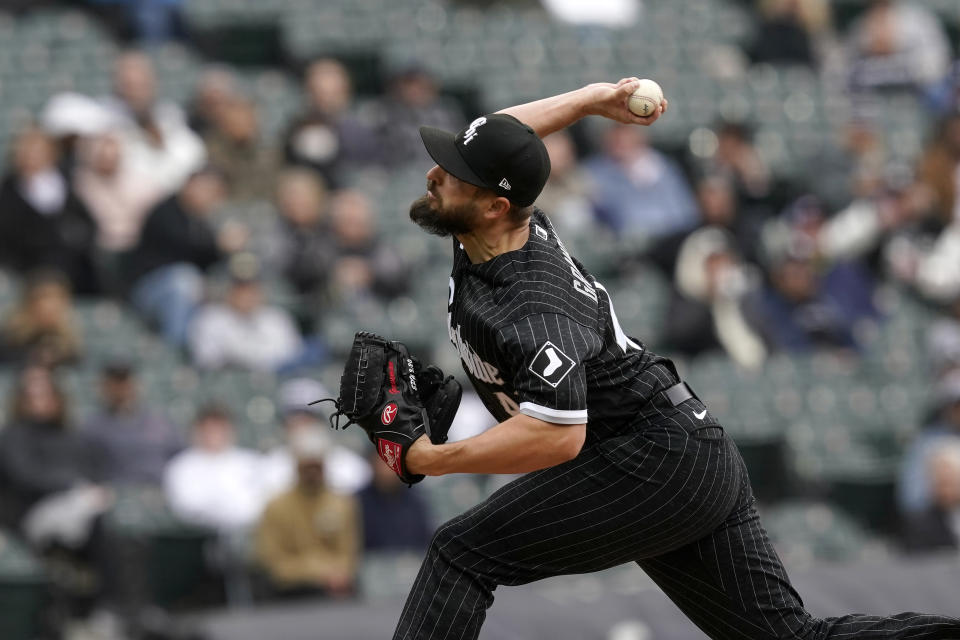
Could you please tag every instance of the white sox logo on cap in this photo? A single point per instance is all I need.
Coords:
(551, 365)
(471, 131)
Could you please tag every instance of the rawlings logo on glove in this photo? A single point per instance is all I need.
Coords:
(385, 390)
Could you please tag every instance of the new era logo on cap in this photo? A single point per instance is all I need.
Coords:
(551, 365)
(505, 184)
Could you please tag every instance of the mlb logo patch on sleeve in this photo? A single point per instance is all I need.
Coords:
(551, 365)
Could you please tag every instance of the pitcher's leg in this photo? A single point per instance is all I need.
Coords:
(732, 585)
(581, 516)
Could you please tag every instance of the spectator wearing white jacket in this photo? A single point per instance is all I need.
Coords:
(215, 483)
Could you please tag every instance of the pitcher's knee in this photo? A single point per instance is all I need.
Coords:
(459, 546)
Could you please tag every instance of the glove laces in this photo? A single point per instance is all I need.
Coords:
(337, 416)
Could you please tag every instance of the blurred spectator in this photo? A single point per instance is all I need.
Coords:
(365, 264)
(157, 142)
(897, 44)
(914, 491)
(637, 190)
(42, 222)
(938, 526)
(308, 539)
(943, 341)
(243, 331)
(706, 307)
(132, 442)
(737, 158)
(235, 148)
(40, 454)
(344, 471)
(69, 117)
(214, 483)
(718, 208)
(327, 137)
(928, 263)
(567, 194)
(854, 167)
(301, 247)
(864, 229)
(41, 329)
(147, 21)
(412, 100)
(394, 519)
(791, 32)
(938, 167)
(216, 87)
(177, 245)
(118, 198)
(803, 309)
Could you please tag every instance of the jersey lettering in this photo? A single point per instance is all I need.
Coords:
(475, 365)
(509, 404)
(580, 283)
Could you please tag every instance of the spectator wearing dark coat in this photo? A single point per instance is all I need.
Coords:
(394, 519)
(42, 222)
(803, 309)
(327, 136)
(132, 442)
(176, 246)
(40, 454)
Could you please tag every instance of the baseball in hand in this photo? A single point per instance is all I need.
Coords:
(646, 99)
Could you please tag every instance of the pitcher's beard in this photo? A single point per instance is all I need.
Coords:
(443, 222)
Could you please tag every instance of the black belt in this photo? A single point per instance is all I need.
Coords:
(678, 393)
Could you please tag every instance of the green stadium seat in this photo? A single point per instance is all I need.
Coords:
(23, 590)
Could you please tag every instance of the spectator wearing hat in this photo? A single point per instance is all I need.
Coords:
(308, 540)
(177, 245)
(345, 472)
(801, 310)
(243, 331)
(914, 491)
(41, 328)
(394, 519)
(132, 442)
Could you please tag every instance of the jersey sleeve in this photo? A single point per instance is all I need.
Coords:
(548, 353)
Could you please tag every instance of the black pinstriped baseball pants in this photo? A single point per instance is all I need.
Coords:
(673, 497)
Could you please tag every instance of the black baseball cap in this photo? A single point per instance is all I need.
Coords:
(495, 151)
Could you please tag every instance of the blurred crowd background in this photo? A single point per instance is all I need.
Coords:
(202, 201)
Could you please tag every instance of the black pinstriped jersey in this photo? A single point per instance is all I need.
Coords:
(538, 335)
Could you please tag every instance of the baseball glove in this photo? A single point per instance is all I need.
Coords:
(394, 399)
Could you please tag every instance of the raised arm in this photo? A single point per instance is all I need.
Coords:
(598, 99)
